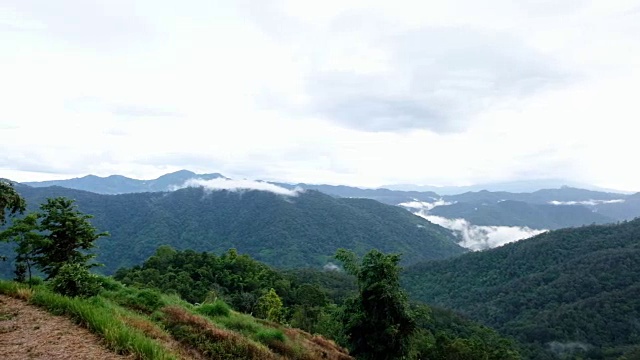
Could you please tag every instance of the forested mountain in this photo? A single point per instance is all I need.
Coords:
(519, 213)
(118, 184)
(544, 196)
(517, 186)
(565, 291)
(284, 231)
(588, 206)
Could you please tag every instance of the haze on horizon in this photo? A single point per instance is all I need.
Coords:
(362, 93)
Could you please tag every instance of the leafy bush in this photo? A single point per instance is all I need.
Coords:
(35, 281)
(75, 280)
(110, 284)
(242, 323)
(268, 336)
(145, 300)
(217, 308)
(149, 300)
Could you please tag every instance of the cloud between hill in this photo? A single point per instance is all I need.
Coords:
(238, 185)
(477, 237)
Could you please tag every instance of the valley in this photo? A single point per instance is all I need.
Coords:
(547, 288)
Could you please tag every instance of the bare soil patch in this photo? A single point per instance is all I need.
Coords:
(27, 332)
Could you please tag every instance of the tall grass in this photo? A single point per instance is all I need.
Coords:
(99, 317)
(139, 322)
(212, 341)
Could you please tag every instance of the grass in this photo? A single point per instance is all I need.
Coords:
(150, 325)
(211, 340)
(216, 308)
(97, 315)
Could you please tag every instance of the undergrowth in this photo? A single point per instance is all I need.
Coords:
(143, 322)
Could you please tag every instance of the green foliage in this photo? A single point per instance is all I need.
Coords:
(377, 322)
(558, 293)
(142, 300)
(75, 280)
(216, 308)
(10, 201)
(23, 232)
(241, 323)
(445, 335)
(35, 281)
(336, 285)
(268, 336)
(309, 296)
(236, 278)
(67, 235)
(270, 306)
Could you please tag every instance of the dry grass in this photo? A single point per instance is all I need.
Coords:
(211, 340)
(24, 293)
(154, 331)
(173, 332)
(147, 327)
(317, 347)
(32, 333)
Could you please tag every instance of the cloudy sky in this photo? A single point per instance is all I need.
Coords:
(354, 92)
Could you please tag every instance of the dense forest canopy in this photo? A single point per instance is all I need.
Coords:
(570, 286)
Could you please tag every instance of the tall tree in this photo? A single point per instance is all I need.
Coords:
(377, 321)
(10, 201)
(24, 232)
(67, 235)
(270, 306)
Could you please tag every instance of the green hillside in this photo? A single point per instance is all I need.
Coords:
(313, 300)
(563, 291)
(296, 231)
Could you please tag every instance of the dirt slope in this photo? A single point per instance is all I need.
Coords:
(27, 332)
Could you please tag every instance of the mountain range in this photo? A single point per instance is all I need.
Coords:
(304, 229)
(568, 293)
(484, 212)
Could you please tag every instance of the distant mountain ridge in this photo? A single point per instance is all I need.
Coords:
(518, 186)
(282, 231)
(118, 184)
(541, 209)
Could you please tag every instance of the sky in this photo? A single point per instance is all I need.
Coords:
(361, 93)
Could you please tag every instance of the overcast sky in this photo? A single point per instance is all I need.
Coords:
(352, 92)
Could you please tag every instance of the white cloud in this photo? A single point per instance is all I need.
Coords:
(238, 185)
(423, 205)
(477, 237)
(534, 89)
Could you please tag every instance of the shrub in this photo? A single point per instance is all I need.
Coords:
(216, 308)
(110, 284)
(75, 280)
(241, 323)
(148, 300)
(145, 300)
(35, 281)
(268, 336)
